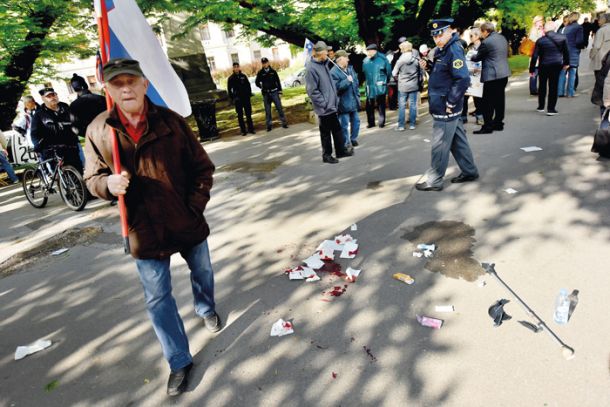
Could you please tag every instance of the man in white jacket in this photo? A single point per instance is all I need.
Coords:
(601, 44)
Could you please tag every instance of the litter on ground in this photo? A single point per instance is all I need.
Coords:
(405, 278)
(444, 308)
(23, 351)
(429, 322)
(59, 251)
(281, 328)
(530, 149)
(352, 274)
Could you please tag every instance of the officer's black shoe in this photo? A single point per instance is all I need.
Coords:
(178, 381)
(483, 130)
(269, 128)
(285, 126)
(423, 186)
(346, 153)
(355, 143)
(498, 127)
(329, 159)
(464, 178)
(370, 126)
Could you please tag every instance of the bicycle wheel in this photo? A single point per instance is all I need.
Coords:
(34, 188)
(72, 188)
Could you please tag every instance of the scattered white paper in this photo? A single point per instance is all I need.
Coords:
(350, 250)
(23, 351)
(295, 275)
(531, 149)
(428, 253)
(352, 274)
(354, 227)
(426, 140)
(330, 245)
(300, 272)
(417, 254)
(343, 239)
(281, 328)
(58, 252)
(444, 308)
(327, 254)
(314, 262)
(510, 191)
(424, 247)
(312, 278)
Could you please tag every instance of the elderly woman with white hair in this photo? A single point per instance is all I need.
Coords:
(408, 73)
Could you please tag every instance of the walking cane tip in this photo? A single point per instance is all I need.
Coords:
(567, 352)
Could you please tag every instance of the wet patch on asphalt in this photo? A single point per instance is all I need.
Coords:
(68, 238)
(454, 241)
(374, 185)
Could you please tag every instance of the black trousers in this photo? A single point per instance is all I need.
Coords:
(494, 102)
(371, 104)
(548, 74)
(478, 106)
(241, 107)
(329, 124)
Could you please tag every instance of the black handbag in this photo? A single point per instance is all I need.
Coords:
(601, 139)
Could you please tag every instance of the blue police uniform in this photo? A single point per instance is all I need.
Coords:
(449, 80)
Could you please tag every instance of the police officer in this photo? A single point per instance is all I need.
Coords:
(447, 85)
(240, 93)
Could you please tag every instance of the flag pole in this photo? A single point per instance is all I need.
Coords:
(103, 30)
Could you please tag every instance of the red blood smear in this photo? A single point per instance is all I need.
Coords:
(355, 252)
(334, 375)
(337, 291)
(287, 325)
(332, 268)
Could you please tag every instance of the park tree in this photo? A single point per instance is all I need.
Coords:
(34, 36)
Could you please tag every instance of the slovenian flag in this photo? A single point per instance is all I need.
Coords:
(127, 34)
(307, 51)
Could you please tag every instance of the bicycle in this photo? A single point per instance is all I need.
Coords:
(39, 182)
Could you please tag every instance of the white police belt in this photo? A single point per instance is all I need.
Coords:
(380, 83)
(446, 116)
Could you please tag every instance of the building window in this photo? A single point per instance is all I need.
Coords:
(276, 53)
(211, 63)
(205, 33)
(69, 85)
(235, 58)
(229, 33)
(257, 55)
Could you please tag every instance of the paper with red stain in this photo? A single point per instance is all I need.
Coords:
(281, 328)
(314, 262)
(330, 245)
(430, 322)
(352, 274)
(326, 254)
(343, 239)
(300, 273)
(350, 250)
(334, 375)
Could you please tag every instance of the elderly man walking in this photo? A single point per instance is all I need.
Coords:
(323, 94)
(449, 80)
(493, 52)
(166, 180)
(346, 82)
(378, 72)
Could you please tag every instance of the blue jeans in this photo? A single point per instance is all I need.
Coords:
(449, 137)
(161, 306)
(402, 106)
(571, 74)
(4, 164)
(273, 97)
(350, 119)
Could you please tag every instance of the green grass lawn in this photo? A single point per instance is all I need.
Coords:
(518, 63)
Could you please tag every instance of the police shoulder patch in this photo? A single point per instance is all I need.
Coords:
(458, 63)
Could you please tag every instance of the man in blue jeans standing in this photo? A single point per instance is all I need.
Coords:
(166, 179)
(346, 82)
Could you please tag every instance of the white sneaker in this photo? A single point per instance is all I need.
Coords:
(400, 129)
(411, 127)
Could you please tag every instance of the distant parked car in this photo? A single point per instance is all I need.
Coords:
(296, 79)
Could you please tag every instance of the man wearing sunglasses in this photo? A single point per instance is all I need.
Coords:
(52, 130)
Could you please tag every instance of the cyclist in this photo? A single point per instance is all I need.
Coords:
(52, 130)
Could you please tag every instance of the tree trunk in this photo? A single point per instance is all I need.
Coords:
(21, 65)
(367, 15)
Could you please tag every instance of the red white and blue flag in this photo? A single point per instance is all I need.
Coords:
(126, 34)
(307, 51)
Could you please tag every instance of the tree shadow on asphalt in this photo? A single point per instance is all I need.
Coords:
(109, 355)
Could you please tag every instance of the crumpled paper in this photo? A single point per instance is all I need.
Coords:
(23, 351)
(281, 328)
(352, 274)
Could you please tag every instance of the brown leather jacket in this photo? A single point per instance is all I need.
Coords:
(171, 178)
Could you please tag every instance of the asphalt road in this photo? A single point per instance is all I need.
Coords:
(272, 204)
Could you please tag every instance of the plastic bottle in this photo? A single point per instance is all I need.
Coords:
(562, 307)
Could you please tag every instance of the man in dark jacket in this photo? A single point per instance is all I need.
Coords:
(166, 179)
(323, 94)
(449, 80)
(346, 82)
(493, 52)
(86, 107)
(268, 81)
(551, 53)
(574, 35)
(378, 73)
(52, 130)
(240, 93)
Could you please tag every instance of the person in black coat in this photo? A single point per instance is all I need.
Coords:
(268, 81)
(240, 93)
(551, 53)
(86, 107)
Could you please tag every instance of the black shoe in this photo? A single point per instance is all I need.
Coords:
(355, 143)
(285, 126)
(423, 186)
(552, 113)
(244, 134)
(464, 178)
(540, 109)
(329, 159)
(381, 126)
(498, 127)
(483, 130)
(370, 126)
(269, 129)
(178, 380)
(346, 153)
(251, 131)
(212, 322)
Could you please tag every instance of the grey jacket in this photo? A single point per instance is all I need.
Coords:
(321, 88)
(494, 54)
(407, 69)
